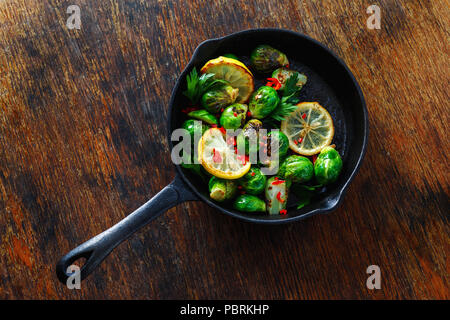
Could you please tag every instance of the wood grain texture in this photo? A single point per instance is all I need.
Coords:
(83, 143)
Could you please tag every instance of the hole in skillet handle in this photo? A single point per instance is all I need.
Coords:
(98, 248)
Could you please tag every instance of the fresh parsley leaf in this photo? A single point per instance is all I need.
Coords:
(290, 86)
(289, 100)
(284, 108)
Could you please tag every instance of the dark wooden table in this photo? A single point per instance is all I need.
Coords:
(83, 143)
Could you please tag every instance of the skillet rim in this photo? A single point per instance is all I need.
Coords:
(335, 199)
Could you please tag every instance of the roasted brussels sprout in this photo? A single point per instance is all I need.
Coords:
(249, 203)
(296, 169)
(282, 74)
(253, 182)
(276, 195)
(214, 100)
(230, 55)
(233, 116)
(221, 189)
(282, 142)
(328, 166)
(263, 101)
(204, 116)
(193, 126)
(249, 132)
(265, 59)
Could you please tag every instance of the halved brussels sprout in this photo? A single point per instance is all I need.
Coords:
(282, 74)
(204, 116)
(233, 116)
(296, 169)
(249, 203)
(282, 142)
(276, 195)
(265, 59)
(253, 182)
(221, 189)
(214, 100)
(263, 101)
(249, 132)
(328, 166)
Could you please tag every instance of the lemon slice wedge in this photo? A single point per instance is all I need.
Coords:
(309, 128)
(219, 158)
(233, 71)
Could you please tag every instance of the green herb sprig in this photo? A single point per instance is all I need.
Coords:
(198, 85)
(289, 99)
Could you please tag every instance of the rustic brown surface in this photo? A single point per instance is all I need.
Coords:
(82, 143)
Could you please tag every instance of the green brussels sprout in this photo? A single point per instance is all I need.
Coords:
(283, 143)
(328, 166)
(221, 189)
(253, 182)
(193, 126)
(233, 116)
(263, 101)
(282, 74)
(216, 99)
(250, 131)
(230, 55)
(249, 203)
(265, 59)
(296, 169)
(204, 116)
(276, 195)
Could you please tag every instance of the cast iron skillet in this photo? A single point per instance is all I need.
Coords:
(330, 83)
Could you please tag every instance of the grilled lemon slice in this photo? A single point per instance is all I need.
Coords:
(219, 158)
(233, 71)
(309, 128)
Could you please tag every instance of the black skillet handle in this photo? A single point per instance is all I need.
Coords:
(97, 248)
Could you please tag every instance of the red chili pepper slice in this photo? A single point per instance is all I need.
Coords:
(283, 211)
(279, 197)
(277, 182)
(274, 83)
(217, 158)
